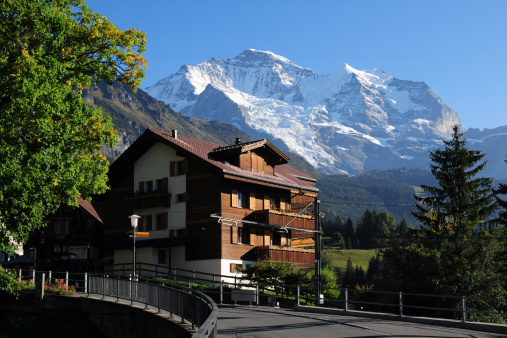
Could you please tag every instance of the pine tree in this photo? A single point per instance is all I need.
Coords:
(456, 251)
(461, 202)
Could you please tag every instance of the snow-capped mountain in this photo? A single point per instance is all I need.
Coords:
(347, 122)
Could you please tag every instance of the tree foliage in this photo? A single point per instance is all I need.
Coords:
(50, 140)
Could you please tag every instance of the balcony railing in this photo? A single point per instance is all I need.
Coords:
(149, 200)
(300, 257)
(291, 219)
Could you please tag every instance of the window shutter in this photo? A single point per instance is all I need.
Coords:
(141, 186)
(234, 234)
(172, 166)
(164, 187)
(252, 201)
(253, 236)
(234, 198)
(163, 221)
(266, 202)
(282, 203)
(185, 166)
(267, 237)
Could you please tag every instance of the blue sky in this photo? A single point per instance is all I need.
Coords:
(459, 48)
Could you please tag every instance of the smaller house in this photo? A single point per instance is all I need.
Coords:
(72, 240)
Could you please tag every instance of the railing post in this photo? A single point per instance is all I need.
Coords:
(131, 290)
(103, 286)
(401, 304)
(258, 295)
(346, 299)
(85, 281)
(158, 298)
(190, 286)
(118, 290)
(174, 274)
(464, 304)
(193, 276)
(146, 296)
(66, 278)
(19, 276)
(213, 280)
(221, 292)
(299, 295)
(33, 276)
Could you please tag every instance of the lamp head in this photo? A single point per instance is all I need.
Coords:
(133, 220)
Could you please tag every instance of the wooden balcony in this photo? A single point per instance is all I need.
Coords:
(293, 220)
(301, 257)
(149, 201)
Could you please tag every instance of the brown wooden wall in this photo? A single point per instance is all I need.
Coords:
(203, 189)
(117, 223)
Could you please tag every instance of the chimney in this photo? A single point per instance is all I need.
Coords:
(238, 140)
(175, 133)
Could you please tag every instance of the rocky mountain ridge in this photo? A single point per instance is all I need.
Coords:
(346, 122)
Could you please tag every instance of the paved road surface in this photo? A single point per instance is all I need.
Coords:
(242, 321)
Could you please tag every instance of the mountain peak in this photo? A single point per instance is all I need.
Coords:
(345, 122)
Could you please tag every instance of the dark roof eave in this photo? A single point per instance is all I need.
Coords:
(267, 180)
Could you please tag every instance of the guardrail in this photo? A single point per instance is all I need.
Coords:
(400, 303)
(191, 306)
(220, 289)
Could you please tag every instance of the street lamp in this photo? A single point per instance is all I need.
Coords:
(133, 222)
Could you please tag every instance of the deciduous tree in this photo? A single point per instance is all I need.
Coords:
(50, 140)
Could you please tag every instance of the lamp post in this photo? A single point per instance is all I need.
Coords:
(133, 222)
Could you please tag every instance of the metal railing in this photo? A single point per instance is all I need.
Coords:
(191, 306)
(220, 289)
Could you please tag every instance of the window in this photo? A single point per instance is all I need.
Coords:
(161, 257)
(58, 227)
(178, 167)
(80, 251)
(147, 223)
(276, 238)
(243, 236)
(66, 224)
(240, 199)
(237, 267)
(181, 197)
(148, 187)
(157, 186)
(154, 225)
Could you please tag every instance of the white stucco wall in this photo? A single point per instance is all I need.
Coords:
(154, 165)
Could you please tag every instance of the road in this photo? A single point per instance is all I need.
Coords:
(242, 321)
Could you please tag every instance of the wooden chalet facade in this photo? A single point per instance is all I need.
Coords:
(71, 232)
(208, 208)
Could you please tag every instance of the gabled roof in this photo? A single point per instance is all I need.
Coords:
(206, 151)
(278, 156)
(89, 208)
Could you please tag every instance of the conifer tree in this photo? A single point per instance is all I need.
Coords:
(456, 250)
(461, 202)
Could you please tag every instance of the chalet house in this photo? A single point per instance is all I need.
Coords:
(207, 207)
(71, 232)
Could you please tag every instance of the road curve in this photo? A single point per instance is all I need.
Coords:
(244, 321)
